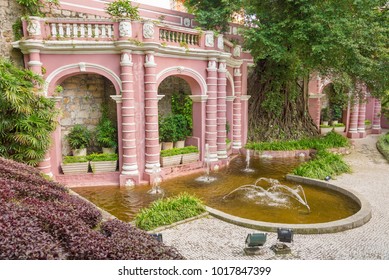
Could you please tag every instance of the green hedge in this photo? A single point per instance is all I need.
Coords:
(74, 159)
(383, 145)
(179, 151)
(330, 140)
(102, 157)
(167, 211)
(324, 164)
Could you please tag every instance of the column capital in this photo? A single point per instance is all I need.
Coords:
(198, 98)
(117, 98)
(149, 60)
(245, 97)
(126, 59)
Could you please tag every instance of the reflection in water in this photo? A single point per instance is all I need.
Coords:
(325, 205)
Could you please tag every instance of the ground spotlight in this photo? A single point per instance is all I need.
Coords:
(157, 236)
(285, 235)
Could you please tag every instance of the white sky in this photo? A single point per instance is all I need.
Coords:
(158, 3)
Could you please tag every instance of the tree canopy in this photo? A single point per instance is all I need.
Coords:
(291, 40)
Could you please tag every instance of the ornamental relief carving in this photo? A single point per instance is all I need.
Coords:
(148, 30)
(125, 29)
(34, 28)
(209, 39)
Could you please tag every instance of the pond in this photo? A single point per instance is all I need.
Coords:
(248, 202)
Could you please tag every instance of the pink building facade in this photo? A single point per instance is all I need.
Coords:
(136, 57)
(353, 116)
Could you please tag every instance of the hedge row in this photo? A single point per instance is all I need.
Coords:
(41, 220)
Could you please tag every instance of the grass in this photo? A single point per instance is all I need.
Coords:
(330, 140)
(102, 157)
(324, 164)
(168, 211)
(383, 145)
(74, 159)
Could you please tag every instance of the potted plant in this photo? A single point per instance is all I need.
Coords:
(190, 154)
(339, 127)
(367, 124)
(167, 131)
(75, 165)
(79, 138)
(324, 129)
(182, 130)
(103, 162)
(325, 116)
(106, 133)
(170, 157)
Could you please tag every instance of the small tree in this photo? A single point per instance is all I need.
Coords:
(123, 9)
(27, 119)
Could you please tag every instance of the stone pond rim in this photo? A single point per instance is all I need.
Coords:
(356, 220)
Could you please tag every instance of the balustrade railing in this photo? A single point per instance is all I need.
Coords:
(81, 30)
(175, 36)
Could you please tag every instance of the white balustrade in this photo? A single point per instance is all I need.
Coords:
(178, 37)
(81, 30)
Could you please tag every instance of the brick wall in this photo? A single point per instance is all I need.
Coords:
(83, 96)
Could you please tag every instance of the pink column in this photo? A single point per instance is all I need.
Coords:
(314, 109)
(353, 126)
(376, 129)
(237, 111)
(361, 119)
(245, 117)
(35, 65)
(211, 111)
(129, 161)
(152, 150)
(221, 111)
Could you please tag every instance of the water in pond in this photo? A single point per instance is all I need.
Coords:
(224, 194)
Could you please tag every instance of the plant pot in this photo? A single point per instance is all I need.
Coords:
(339, 128)
(75, 168)
(103, 166)
(325, 130)
(171, 160)
(334, 122)
(192, 157)
(324, 122)
(167, 145)
(109, 150)
(179, 144)
(79, 152)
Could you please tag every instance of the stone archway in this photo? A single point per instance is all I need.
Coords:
(82, 99)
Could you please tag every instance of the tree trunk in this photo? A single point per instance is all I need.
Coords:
(278, 108)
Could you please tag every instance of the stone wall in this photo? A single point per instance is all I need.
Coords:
(83, 96)
(169, 86)
(10, 12)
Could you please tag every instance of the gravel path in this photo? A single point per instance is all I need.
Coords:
(211, 239)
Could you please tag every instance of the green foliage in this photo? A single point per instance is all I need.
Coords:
(79, 137)
(213, 14)
(106, 132)
(179, 151)
(74, 159)
(330, 140)
(173, 128)
(169, 210)
(17, 29)
(27, 118)
(123, 9)
(102, 157)
(324, 164)
(383, 145)
(182, 105)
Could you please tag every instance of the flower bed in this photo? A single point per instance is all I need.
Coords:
(41, 220)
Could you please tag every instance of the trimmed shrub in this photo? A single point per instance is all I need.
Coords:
(324, 164)
(383, 145)
(169, 210)
(40, 220)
